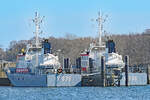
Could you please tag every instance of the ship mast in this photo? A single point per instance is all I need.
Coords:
(100, 20)
(37, 21)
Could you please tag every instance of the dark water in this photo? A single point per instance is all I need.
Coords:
(76, 93)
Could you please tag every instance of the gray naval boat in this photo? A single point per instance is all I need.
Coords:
(37, 66)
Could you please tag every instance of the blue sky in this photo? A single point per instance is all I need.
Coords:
(71, 16)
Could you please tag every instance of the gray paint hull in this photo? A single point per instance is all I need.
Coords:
(27, 80)
(135, 79)
(64, 80)
(50, 80)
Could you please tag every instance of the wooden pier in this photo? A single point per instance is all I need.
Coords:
(4, 81)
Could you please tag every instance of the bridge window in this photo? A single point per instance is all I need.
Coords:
(84, 57)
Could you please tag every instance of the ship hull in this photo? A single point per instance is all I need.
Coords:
(49, 80)
(134, 79)
(63, 80)
(27, 80)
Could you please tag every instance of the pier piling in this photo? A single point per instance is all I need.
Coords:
(148, 73)
(126, 70)
(103, 70)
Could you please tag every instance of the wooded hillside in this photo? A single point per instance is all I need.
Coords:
(137, 46)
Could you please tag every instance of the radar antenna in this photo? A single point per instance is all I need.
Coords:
(37, 20)
(100, 20)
